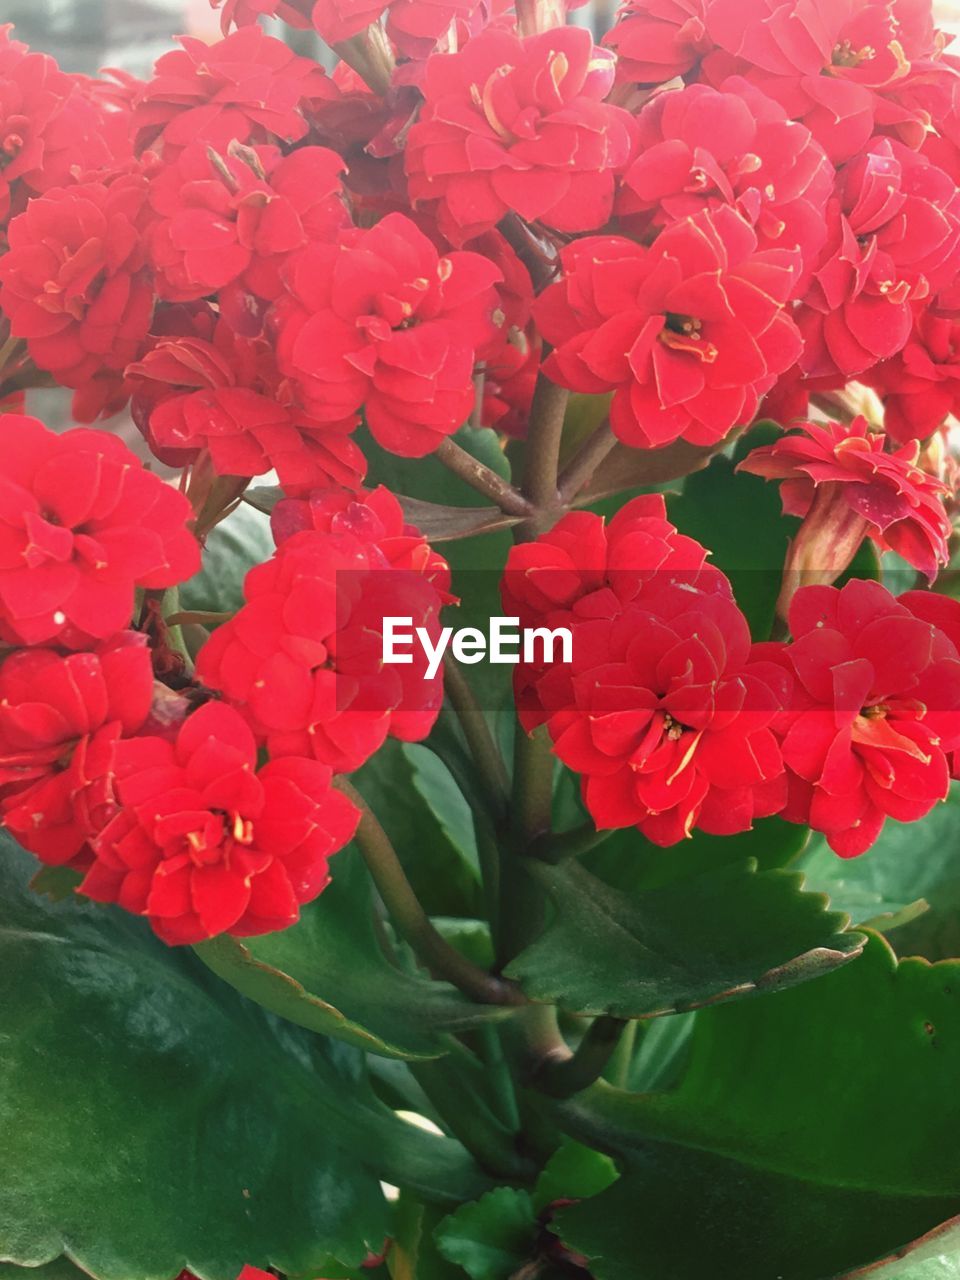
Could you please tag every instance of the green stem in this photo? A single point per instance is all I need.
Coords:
(568, 844)
(499, 1074)
(470, 1120)
(583, 1068)
(485, 752)
(617, 1070)
(412, 921)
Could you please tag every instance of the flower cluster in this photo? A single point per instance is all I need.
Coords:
(719, 213)
(675, 721)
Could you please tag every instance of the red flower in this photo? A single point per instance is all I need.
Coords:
(585, 568)
(837, 65)
(225, 396)
(876, 712)
(303, 659)
(519, 124)
(894, 237)
(60, 721)
(205, 843)
(245, 13)
(81, 524)
(688, 334)
(700, 149)
(417, 26)
(920, 385)
(338, 20)
(380, 320)
(50, 132)
(893, 501)
(663, 710)
(234, 220)
(73, 282)
(655, 40)
(248, 87)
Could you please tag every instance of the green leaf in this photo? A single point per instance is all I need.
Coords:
(424, 821)
(414, 1254)
(573, 1172)
(739, 517)
(60, 1269)
(329, 973)
(161, 1121)
(233, 547)
(725, 934)
(628, 861)
(812, 1132)
(935, 1256)
(492, 1238)
(909, 864)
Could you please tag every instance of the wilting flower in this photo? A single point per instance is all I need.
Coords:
(847, 487)
(656, 40)
(688, 334)
(518, 124)
(81, 525)
(381, 320)
(875, 715)
(205, 843)
(699, 149)
(74, 284)
(224, 395)
(303, 658)
(61, 717)
(234, 219)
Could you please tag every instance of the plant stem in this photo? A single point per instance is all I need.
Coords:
(483, 479)
(531, 251)
(568, 844)
(579, 470)
(469, 1119)
(587, 1064)
(543, 454)
(476, 730)
(412, 921)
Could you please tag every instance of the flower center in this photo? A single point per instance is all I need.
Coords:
(673, 729)
(845, 55)
(211, 845)
(877, 712)
(685, 333)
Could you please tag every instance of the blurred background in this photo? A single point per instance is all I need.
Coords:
(85, 35)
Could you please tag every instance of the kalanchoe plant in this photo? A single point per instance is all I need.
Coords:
(321, 956)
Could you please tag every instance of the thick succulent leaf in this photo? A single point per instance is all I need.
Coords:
(935, 1256)
(422, 813)
(159, 1120)
(739, 517)
(232, 548)
(812, 1132)
(492, 1238)
(329, 973)
(628, 861)
(719, 936)
(908, 868)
